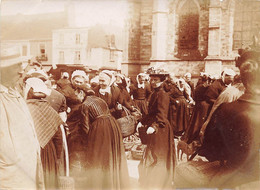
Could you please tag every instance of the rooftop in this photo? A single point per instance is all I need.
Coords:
(29, 27)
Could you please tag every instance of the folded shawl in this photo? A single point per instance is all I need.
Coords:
(46, 120)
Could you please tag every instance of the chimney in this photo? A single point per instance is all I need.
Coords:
(70, 12)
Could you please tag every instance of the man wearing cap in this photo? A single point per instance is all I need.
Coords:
(20, 164)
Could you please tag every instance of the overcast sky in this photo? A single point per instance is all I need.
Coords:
(87, 12)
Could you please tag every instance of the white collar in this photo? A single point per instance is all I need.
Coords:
(141, 85)
(103, 91)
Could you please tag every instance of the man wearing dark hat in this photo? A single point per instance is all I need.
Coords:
(20, 164)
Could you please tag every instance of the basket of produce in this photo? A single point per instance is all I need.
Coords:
(128, 143)
(137, 151)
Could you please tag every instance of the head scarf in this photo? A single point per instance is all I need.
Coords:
(79, 73)
(229, 72)
(140, 85)
(37, 85)
(110, 76)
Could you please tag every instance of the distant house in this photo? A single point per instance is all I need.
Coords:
(97, 47)
(70, 46)
(32, 33)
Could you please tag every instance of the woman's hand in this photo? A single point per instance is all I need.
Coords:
(138, 126)
(119, 107)
(150, 130)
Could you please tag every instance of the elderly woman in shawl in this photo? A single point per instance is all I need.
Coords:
(47, 125)
(20, 163)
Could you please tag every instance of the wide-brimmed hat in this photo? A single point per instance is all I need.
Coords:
(157, 72)
(10, 56)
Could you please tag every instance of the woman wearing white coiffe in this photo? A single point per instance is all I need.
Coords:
(20, 164)
(110, 93)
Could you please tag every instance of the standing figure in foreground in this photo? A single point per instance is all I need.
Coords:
(157, 166)
(106, 166)
(47, 125)
(20, 162)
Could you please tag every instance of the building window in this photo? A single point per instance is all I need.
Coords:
(246, 23)
(43, 55)
(61, 57)
(77, 56)
(61, 38)
(24, 51)
(77, 38)
(188, 27)
(42, 50)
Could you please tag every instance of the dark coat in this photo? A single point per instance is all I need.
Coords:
(111, 99)
(141, 97)
(199, 114)
(214, 91)
(159, 154)
(140, 93)
(178, 112)
(233, 135)
(57, 101)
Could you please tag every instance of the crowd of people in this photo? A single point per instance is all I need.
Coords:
(217, 120)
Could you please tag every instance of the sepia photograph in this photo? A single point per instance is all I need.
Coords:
(130, 94)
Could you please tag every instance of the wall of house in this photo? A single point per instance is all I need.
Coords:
(35, 49)
(32, 48)
(65, 40)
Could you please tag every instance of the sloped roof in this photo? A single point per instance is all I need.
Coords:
(100, 36)
(25, 27)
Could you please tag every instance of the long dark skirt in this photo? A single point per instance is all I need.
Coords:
(142, 105)
(156, 169)
(198, 117)
(77, 152)
(50, 166)
(179, 116)
(106, 160)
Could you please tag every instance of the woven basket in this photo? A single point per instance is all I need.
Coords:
(127, 124)
(137, 154)
(128, 145)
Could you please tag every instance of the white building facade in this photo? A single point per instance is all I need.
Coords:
(70, 46)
